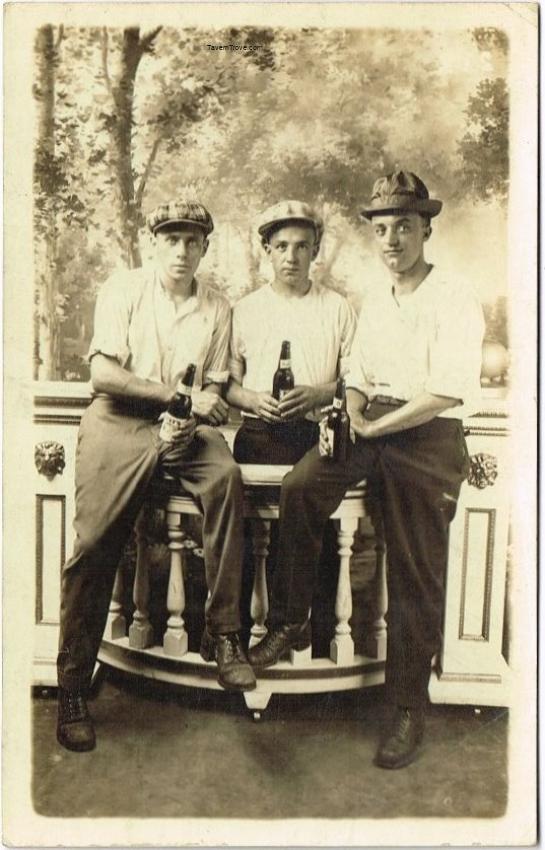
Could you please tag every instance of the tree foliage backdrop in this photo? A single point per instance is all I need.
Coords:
(127, 118)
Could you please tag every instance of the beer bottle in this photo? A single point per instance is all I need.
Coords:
(338, 425)
(283, 380)
(180, 405)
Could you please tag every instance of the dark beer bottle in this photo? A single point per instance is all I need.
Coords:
(338, 425)
(283, 380)
(180, 405)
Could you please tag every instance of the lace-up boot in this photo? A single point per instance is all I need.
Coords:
(234, 672)
(74, 725)
(278, 641)
(401, 743)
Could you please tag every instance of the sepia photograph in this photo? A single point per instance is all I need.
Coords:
(270, 426)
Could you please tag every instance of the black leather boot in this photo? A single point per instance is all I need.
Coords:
(405, 733)
(234, 672)
(277, 641)
(74, 725)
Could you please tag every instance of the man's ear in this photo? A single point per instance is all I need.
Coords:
(266, 247)
(315, 250)
(205, 245)
(427, 232)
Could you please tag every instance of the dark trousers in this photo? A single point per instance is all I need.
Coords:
(257, 441)
(417, 474)
(118, 452)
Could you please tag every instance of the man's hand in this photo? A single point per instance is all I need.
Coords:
(362, 428)
(266, 407)
(183, 431)
(210, 406)
(298, 402)
(324, 446)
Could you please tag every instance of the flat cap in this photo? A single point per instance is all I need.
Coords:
(180, 212)
(288, 212)
(401, 191)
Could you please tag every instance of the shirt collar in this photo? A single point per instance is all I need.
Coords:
(415, 296)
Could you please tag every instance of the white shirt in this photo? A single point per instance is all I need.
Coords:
(428, 341)
(139, 324)
(319, 325)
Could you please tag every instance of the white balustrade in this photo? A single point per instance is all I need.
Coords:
(175, 638)
(259, 605)
(342, 646)
(116, 626)
(140, 630)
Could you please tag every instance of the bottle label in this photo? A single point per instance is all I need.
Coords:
(331, 439)
(282, 394)
(285, 364)
(183, 389)
(169, 428)
(337, 403)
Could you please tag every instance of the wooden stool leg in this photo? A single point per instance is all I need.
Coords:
(376, 644)
(341, 648)
(175, 638)
(141, 631)
(116, 627)
(259, 606)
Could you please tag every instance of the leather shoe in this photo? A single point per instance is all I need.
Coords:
(277, 641)
(234, 672)
(404, 736)
(74, 725)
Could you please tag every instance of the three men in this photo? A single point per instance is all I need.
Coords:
(149, 324)
(414, 374)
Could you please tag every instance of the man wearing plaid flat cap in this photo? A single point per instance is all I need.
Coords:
(414, 374)
(150, 323)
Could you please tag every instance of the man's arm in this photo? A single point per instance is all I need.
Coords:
(107, 376)
(419, 410)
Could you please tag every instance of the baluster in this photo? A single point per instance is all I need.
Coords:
(116, 625)
(140, 630)
(259, 606)
(376, 640)
(342, 646)
(175, 639)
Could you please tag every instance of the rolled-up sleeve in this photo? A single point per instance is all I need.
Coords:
(112, 317)
(347, 319)
(215, 369)
(236, 349)
(356, 377)
(456, 352)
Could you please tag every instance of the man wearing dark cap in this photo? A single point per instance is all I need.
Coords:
(150, 323)
(414, 375)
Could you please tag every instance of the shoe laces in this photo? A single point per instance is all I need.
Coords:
(233, 649)
(402, 723)
(75, 706)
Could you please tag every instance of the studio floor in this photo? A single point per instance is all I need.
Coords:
(166, 752)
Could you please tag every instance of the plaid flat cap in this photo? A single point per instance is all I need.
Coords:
(289, 211)
(180, 212)
(401, 191)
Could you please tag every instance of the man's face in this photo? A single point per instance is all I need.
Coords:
(400, 239)
(179, 250)
(292, 249)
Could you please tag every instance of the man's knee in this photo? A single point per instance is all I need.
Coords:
(299, 482)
